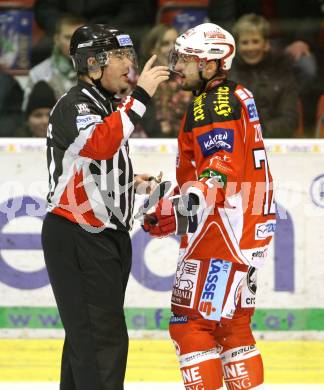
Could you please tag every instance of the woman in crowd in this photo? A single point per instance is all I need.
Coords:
(162, 119)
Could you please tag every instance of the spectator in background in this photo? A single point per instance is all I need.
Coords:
(296, 27)
(269, 76)
(11, 97)
(133, 16)
(40, 102)
(57, 70)
(168, 105)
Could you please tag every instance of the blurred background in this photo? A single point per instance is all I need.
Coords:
(280, 47)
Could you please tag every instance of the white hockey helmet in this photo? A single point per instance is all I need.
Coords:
(206, 42)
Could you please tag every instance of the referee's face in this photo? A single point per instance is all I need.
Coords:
(115, 78)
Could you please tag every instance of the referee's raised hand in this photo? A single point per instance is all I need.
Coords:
(152, 76)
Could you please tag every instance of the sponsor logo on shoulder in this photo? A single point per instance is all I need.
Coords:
(252, 110)
(265, 230)
(83, 121)
(216, 140)
(83, 108)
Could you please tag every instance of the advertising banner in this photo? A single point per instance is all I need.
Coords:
(290, 296)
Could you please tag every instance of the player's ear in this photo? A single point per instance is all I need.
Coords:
(210, 69)
(94, 69)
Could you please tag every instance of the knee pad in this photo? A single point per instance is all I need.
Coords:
(243, 368)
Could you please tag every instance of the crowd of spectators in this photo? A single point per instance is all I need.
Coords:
(279, 58)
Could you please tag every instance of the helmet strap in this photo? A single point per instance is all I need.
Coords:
(97, 82)
(203, 81)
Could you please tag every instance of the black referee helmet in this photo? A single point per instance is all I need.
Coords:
(96, 41)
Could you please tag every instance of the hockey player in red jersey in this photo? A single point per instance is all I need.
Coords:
(225, 213)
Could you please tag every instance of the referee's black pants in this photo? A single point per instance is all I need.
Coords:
(89, 274)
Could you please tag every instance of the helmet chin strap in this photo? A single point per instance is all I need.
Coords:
(203, 83)
(97, 82)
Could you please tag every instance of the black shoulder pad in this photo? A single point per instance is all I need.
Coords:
(216, 105)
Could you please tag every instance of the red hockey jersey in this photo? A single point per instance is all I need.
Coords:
(222, 159)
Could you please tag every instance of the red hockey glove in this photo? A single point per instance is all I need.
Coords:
(162, 222)
(177, 216)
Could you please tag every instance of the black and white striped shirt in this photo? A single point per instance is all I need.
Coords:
(90, 172)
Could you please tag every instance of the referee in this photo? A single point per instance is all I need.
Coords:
(85, 234)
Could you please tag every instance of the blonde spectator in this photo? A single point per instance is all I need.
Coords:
(268, 74)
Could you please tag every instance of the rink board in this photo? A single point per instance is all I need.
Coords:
(290, 294)
(290, 297)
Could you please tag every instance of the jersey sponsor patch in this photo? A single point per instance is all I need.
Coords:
(213, 293)
(252, 110)
(222, 105)
(198, 107)
(83, 108)
(178, 319)
(243, 93)
(184, 289)
(124, 40)
(216, 140)
(265, 230)
(212, 174)
(84, 121)
(249, 289)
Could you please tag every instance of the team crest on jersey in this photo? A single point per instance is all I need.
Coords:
(83, 108)
(216, 140)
